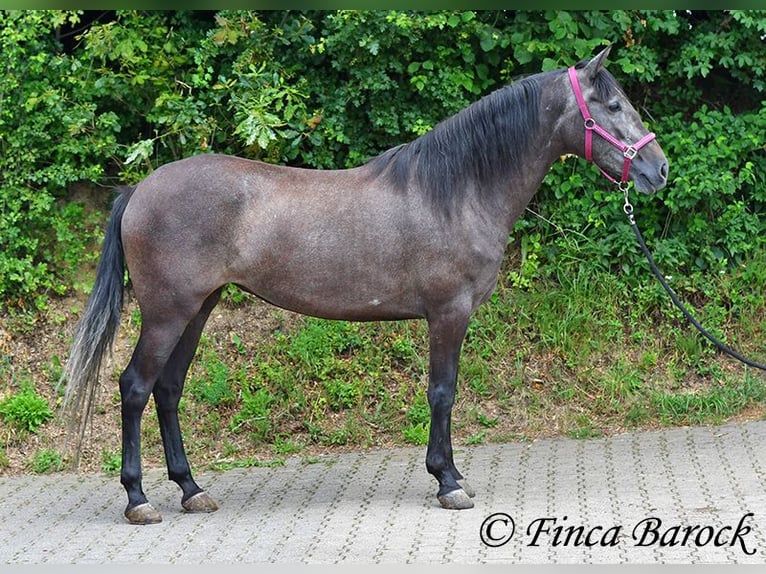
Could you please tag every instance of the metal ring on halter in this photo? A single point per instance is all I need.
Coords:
(628, 151)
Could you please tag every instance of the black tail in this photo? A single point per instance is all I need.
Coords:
(97, 328)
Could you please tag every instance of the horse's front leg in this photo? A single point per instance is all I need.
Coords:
(446, 333)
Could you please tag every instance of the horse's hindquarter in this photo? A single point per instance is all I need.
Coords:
(334, 244)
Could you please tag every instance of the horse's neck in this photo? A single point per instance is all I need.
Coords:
(542, 147)
(518, 191)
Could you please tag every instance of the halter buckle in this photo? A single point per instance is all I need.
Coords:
(630, 153)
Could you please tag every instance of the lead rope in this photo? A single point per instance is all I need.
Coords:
(629, 211)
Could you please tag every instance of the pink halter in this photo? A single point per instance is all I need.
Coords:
(628, 151)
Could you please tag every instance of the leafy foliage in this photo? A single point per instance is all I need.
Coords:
(328, 89)
(51, 134)
(45, 461)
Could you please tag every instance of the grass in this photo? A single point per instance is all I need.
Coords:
(712, 405)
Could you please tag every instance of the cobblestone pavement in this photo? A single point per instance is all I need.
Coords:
(672, 496)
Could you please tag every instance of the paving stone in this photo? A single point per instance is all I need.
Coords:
(571, 501)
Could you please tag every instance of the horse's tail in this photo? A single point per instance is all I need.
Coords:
(95, 333)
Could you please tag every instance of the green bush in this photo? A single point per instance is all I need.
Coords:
(51, 135)
(329, 89)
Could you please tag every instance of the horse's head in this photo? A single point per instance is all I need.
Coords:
(607, 130)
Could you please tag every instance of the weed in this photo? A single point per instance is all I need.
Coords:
(135, 318)
(403, 349)
(211, 423)
(418, 420)
(584, 428)
(255, 414)
(229, 450)
(55, 370)
(111, 462)
(416, 434)
(336, 437)
(213, 385)
(477, 438)
(26, 410)
(236, 340)
(621, 381)
(45, 460)
(524, 275)
(285, 445)
(233, 296)
(487, 422)
(319, 340)
(637, 415)
(341, 394)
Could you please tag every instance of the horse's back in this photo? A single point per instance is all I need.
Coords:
(313, 241)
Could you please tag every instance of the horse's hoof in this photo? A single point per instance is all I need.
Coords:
(143, 514)
(467, 488)
(200, 502)
(455, 500)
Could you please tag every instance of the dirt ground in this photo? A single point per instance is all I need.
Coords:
(37, 354)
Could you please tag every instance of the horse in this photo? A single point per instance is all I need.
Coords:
(417, 232)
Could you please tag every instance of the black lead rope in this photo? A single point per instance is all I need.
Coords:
(628, 208)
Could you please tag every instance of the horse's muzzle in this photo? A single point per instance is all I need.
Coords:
(651, 176)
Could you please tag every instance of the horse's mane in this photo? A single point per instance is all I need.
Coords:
(482, 146)
(474, 147)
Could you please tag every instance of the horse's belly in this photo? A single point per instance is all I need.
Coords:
(346, 284)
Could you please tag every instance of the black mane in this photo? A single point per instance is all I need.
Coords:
(482, 146)
(475, 147)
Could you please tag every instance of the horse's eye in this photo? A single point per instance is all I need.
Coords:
(615, 107)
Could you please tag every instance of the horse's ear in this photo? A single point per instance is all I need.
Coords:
(597, 62)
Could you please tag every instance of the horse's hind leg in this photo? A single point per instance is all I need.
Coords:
(162, 328)
(154, 347)
(167, 394)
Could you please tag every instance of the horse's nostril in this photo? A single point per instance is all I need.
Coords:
(664, 170)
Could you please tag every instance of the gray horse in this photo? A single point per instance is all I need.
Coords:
(416, 233)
